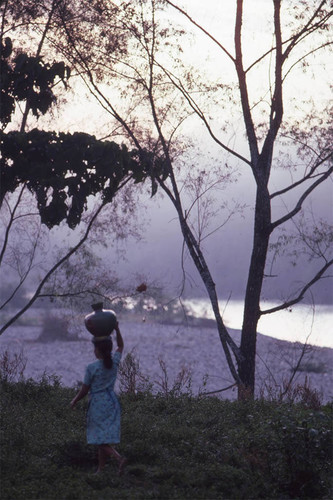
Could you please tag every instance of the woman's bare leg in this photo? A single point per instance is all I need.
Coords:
(105, 451)
(102, 456)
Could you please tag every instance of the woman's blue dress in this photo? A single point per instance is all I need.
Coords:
(103, 416)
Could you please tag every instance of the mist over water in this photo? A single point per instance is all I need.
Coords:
(161, 258)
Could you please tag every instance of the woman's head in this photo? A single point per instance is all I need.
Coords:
(103, 349)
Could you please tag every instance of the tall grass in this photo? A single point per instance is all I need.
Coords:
(178, 447)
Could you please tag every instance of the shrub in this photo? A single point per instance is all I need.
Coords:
(291, 392)
(180, 385)
(131, 379)
(12, 365)
(178, 447)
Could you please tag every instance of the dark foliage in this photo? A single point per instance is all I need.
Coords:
(29, 79)
(63, 170)
(178, 447)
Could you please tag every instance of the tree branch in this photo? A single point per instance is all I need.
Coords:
(201, 29)
(39, 49)
(307, 29)
(52, 270)
(219, 390)
(295, 368)
(300, 202)
(22, 274)
(305, 178)
(10, 223)
(300, 295)
(243, 88)
(178, 84)
(95, 91)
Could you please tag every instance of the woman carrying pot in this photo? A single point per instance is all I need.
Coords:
(104, 413)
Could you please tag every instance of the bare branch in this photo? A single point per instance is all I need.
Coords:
(52, 270)
(301, 294)
(301, 200)
(88, 291)
(243, 88)
(195, 107)
(201, 265)
(202, 29)
(308, 28)
(305, 178)
(23, 275)
(287, 52)
(218, 390)
(96, 92)
(10, 223)
(305, 56)
(295, 369)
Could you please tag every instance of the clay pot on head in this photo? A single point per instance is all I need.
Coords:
(101, 322)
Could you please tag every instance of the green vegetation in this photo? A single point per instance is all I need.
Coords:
(177, 446)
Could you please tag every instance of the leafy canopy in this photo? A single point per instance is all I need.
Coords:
(61, 169)
(64, 169)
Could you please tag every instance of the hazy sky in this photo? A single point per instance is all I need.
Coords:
(228, 251)
(158, 255)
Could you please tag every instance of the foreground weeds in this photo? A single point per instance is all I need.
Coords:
(177, 447)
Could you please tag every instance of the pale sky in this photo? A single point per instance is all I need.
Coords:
(163, 237)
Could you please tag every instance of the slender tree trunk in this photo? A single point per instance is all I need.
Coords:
(246, 366)
(202, 267)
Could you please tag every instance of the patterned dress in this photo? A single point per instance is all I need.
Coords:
(103, 416)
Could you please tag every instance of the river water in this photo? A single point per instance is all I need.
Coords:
(193, 350)
(301, 323)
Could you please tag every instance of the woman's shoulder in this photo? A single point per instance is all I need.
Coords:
(93, 365)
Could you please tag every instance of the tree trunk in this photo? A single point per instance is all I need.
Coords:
(246, 366)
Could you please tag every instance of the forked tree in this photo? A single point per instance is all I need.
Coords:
(299, 31)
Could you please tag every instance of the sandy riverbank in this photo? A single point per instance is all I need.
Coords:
(195, 347)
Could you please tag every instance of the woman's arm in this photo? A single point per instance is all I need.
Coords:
(119, 339)
(81, 394)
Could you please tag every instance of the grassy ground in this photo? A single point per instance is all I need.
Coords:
(178, 447)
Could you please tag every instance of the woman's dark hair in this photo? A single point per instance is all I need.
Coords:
(105, 348)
